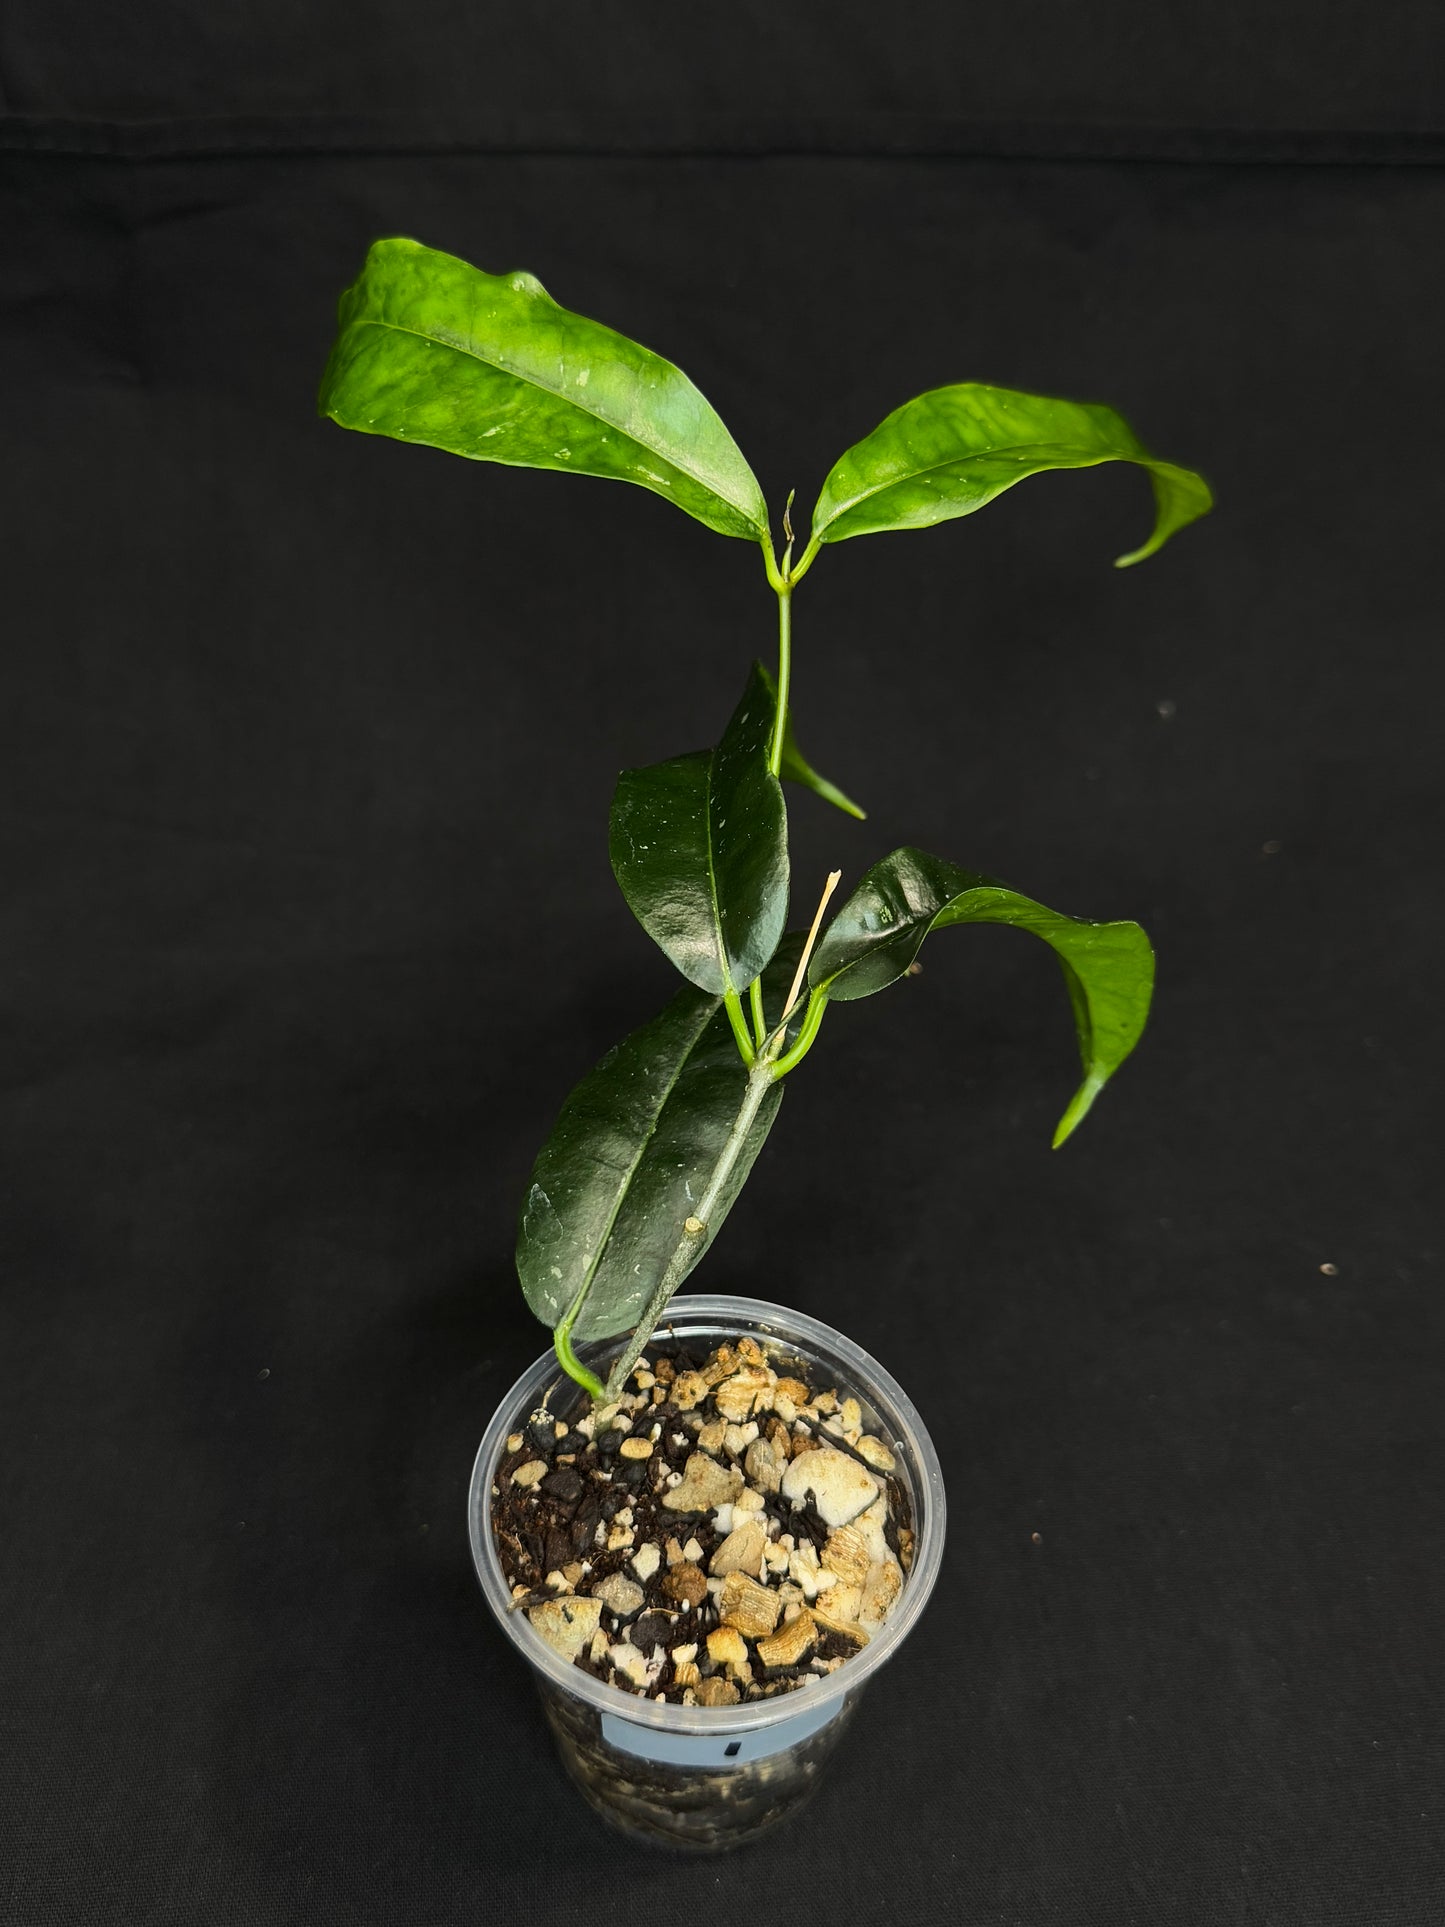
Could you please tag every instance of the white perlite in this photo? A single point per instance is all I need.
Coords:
(566, 1624)
(741, 1551)
(705, 1484)
(646, 1561)
(839, 1486)
(619, 1594)
(640, 1668)
(883, 1586)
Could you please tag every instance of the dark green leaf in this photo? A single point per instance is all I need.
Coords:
(488, 366)
(700, 847)
(796, 767)
(634, 1151)
(954, 449)
(1108, 967)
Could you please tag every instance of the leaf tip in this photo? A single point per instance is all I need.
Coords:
(830, 793)
(1079, 1107)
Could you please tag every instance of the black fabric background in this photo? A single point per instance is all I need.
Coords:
(607, 66)
(307, 746)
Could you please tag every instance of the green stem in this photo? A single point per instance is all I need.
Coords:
(760, 1022)
(817, 1005)
(692, 1243)
(732, 1003)
(571, 1364)
(785, 675)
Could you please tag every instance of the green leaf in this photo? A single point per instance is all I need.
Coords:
(637, 1147)
(954, 449)
(699, 846)
(488, 366)
(1108, 967)
(796, 767)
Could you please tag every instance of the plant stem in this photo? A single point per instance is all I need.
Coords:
(690, 1247)
(732, 1003)
(785, 674)
(760, 1022)
(817, 1005)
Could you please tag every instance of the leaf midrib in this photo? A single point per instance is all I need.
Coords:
(574, 1310)
(558, 394)
(724, 961)
(980, 455)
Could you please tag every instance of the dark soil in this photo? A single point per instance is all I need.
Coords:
(552, 1532)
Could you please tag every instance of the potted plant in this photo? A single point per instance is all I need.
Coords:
(709, 1528)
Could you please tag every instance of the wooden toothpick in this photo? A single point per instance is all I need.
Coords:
(834, 878)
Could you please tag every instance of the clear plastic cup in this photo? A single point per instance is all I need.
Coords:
(706, 1778)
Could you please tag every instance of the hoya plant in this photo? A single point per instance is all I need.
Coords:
(652, 1147)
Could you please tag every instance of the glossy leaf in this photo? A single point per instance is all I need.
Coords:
(796, 767)
(954, 449)
(488, 366)
(637, 1146)
(1108, 967)
(699, 846)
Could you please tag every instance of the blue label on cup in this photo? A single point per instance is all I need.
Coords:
(722, 1749)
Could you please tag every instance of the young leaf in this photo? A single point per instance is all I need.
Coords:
(640, 1145)
(488, 366)
(954, 449)
(699, 846)
(796, 767)
(1108, 967)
